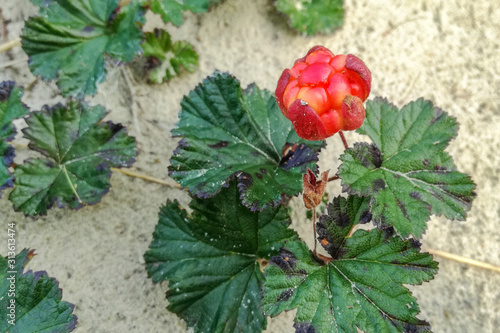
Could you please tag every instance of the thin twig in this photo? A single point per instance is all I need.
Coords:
(344, 141)
(463, 260)
(10, 44)
(332, 178)
(146, 177)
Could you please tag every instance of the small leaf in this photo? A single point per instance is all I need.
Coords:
(36, 298)
(10, 109)
(407, 172)
(171, 10)
(313, 16)
(211, 260)
(362, 289)
(69, 40)
(80, 151)
(166, 59)
(229, 133)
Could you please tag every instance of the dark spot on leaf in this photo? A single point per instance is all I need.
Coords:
(365, 217)
(440, 168)
(5, 90)
(218, 145)
(426, 162)
(415, 243)
(388, 232)
(245, 181)
(415, 195)
(304, 328)
(301, 156)
(88, 29)
(378, 185)
(402, 207)
(258, 175)
(285, 296)
(286, 261)
(152, 62)
(264, 171)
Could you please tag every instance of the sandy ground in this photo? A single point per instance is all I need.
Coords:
(445, 51)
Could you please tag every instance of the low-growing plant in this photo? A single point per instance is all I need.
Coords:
(234, 259)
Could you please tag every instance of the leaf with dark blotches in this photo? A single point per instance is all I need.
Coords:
(172, 10)
(69, 41)
(11, 108)
(342, 214)
(35, 298)
(311, 17)
(79, 151)
(228, 132)
(360, 289)
(406, 171)
(211, 260)
(165, 59)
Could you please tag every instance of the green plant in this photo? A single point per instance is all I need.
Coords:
(240, 159)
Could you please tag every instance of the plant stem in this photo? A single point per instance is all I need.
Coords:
(463, 260)
(314, 229)
(332, 178)
(344, 141)
(145, 177)
(10, 44)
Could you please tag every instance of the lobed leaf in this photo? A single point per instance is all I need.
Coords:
(361, 289)
(69, 41)
(407, 172)
(230, 133)
(11, 108)
(311, 17)
(172, 10)
(211, 259)
(38, 304)
(166, 59)
(79, 151)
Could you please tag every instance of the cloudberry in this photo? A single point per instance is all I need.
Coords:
(324, 93)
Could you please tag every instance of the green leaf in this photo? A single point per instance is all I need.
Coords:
(36, 299)
(311, 17)
(211, 260)
(69, 40)
(361, 289)
(171, 10)
(342, 214)
(166, 59)
(10, 109)
(80, 151)
(229, 133)
(406, 171)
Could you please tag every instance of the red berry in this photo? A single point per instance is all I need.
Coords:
(323, 93)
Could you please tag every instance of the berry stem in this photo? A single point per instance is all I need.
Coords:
(344, 141)
(332, 178)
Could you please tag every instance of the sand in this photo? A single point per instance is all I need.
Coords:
(445, 51)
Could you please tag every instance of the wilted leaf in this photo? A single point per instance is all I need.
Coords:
(80, 151)
(10, 109)
(165, 59)
(69, 40)
(361, 289)
(406, 171)
(228, 132)
(36, 297)
(211, 260)
(313, 16)
(172, 10)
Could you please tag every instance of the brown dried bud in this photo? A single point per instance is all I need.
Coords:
(313, 189)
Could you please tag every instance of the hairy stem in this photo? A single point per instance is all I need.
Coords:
(145, 177)
(332, 178)
(463, 260)
(314, 229)
(10, 44)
